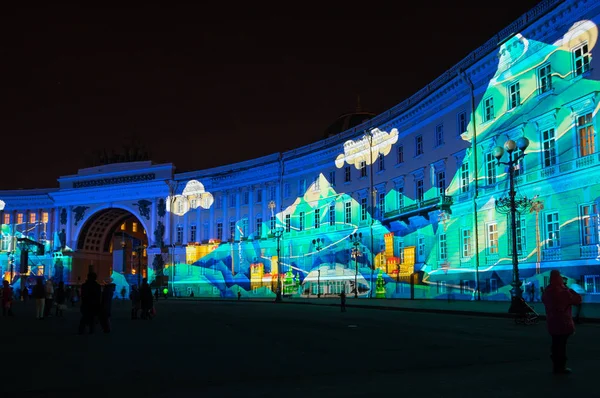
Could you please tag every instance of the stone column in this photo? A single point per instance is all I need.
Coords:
(153, 222)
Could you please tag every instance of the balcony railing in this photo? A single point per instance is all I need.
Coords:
(589, 251)
(551, 254)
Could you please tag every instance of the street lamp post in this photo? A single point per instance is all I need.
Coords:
(355, 239)
(278, 233)
(318, 245)
(510, 205)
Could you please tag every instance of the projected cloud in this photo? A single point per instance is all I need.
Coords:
(193, 196)
(356, 152)
(2, 204)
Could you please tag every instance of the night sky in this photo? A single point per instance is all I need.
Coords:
(202, 87)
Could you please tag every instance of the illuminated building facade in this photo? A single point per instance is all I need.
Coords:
(420, 183)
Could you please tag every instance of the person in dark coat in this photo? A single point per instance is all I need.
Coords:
(558, 299)
(39, 293)
(61, 298)
(134, 296)
(146, 299)
(91, 296)
(343, 301)
(105, 310)
(7, 297)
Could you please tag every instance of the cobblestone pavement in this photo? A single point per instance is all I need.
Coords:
(209, 348)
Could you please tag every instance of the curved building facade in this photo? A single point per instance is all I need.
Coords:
(409, 203)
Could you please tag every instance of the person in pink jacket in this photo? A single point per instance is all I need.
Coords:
(558, 299)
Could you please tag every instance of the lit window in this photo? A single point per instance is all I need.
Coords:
(32, 218)
(400, 197)
(490, 167)
(179, 233)
(466, 243)
(363, 169)
(288, 223)
(381, 204)
(514, 95)
(363, 209)
(464, 177)
(45, 217)
(492, 238)
(192, 233)
(443, 250)
(589, 224)
(134, 227)
(419, 189)
(272, 223)
(20, 218)
(418, 145)
(548, 148)
(332, 214)
(6, 218)
(421, 246)
(552, 230)
(521, 236)
(581, 59)
(544, 74)
(332, 178)
(220, 231)
(123, 227)
(301, 221)
(381, 162)
(585, 135)
(348, 212)
(259, 225)
(488, 109)
(316, 184)
(441, 182)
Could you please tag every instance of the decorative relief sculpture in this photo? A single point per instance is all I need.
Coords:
(79, 213)
(63, 216)
(144, 207)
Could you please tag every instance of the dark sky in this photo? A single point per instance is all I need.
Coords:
(201, 87)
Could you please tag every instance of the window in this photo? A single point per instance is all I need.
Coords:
(258, 226)
(421, 246)
(32, 218)
(192, 233)
(348, 212)
(301, 186)
(419, 189)
(332, 178)
(521, 236)
(520, 166)
(544, 75)
(581, 59)
(134, 227)
(220, 231)
(585, 135)
(418, 145)
(439, 135)
(179, 233)
(589, 225)
(288, 223)
(490, 167)
(123, 226)
(332, 214)
(244, 227)
(552, 230)
(592, 284)
(363, 209)
(272, 223)
(381, 161)
(272, 192)
(301, 221)
(492, 238)
(443, 249)
(259, 196)
(381, 204)
(548, 148)
(461, 123)
(317, 218)
(180, 207)
(441, 182)
(363, 169)
(287, 192)
(246, 197)
(232, 200)
(316, 184)
(488, 109)
(232, 230)
(514, 95)
(400, 154)
(347, 174)
(467, 244)
(6, 218)
(400, 197)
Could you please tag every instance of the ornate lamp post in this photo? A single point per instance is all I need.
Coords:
(355, 239)
(278, 233)
(513, 205)
(318, 245)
